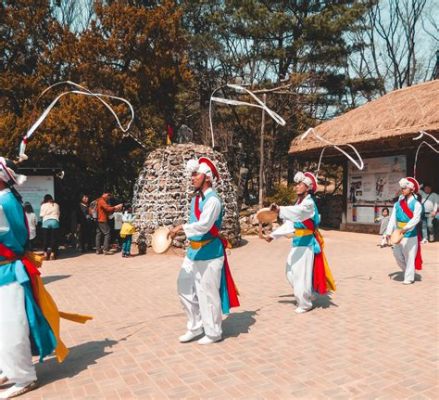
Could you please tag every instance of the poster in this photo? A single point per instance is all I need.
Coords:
(34, 189)
(374, 187)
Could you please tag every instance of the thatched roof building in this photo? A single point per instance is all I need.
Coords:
(382, 131)
(388, 122)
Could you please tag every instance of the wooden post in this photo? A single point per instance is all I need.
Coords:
(261, 164)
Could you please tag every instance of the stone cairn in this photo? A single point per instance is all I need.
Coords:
(163, 192)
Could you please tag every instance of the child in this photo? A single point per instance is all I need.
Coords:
(31, 223)
(383, 226)
(127, 230)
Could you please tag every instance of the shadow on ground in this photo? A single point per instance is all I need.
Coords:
(54, 278)
(399, 276)
(79, 359)
(237, 323)
(321, 301)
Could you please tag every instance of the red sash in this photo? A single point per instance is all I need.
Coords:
(318, 275)
(409, 213)
(214, 231)
(31, 269)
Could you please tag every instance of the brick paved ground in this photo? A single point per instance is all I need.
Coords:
(375, 338)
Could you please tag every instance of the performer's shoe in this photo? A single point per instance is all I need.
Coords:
(18, 389)
(300, 310)
(190, 335)
(209, 340)
(424, 241)
(408, 282)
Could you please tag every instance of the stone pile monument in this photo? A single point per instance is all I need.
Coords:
(163, 192)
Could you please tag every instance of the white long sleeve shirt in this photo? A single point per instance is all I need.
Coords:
(412, 223)
(49, 210)
(297, 213)
(210, 213)
(430, 202)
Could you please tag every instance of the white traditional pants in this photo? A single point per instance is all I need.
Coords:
(299, 273)
(198, 288)
(405, 254)
(15, 348)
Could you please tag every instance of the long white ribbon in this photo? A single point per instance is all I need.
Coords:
(276, 117)
(422, 133)
(358, 163)
(83, 91)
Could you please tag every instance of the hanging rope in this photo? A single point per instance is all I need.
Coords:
(83, 91)
(358, 163)
(422, 133)
(260, 104)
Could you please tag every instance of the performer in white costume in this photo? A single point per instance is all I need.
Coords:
(406, 215)
(306, 269)
(29, 318)
(15, 348)
(201, 278)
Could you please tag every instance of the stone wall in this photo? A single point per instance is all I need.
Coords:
(163, 192)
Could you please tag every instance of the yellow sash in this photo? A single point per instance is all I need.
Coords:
(53, 315)
(198, 245)
(303, 232)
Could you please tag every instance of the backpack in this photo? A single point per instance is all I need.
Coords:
(93, 209)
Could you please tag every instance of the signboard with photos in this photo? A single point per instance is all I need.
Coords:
(374, 187)
(34, 190)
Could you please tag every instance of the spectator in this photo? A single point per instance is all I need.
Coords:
(31, 223)
(49, 213)
(429, 200)
(384, 221)
(85, 224)
(104, 210)
(117, 225)
(127, 231)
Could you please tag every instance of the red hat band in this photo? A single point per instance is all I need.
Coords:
(211, 165)
(313, 180)
(415, 184)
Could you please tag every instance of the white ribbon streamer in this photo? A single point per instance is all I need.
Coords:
(84, 91)
(422, 133)
(276, 117)
(358, 163)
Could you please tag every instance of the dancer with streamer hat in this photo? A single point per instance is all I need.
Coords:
(403, 229)
(29, 318)
(205, 285)
(307, 269)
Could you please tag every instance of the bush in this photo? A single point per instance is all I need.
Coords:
(283, 195)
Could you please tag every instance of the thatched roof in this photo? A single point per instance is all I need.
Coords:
(397, 116)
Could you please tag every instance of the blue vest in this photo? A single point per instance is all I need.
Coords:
(15, 238)
(308, 240)
(214, 249)
(402, 218)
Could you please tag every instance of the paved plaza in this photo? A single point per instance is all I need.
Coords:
(373, 339)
